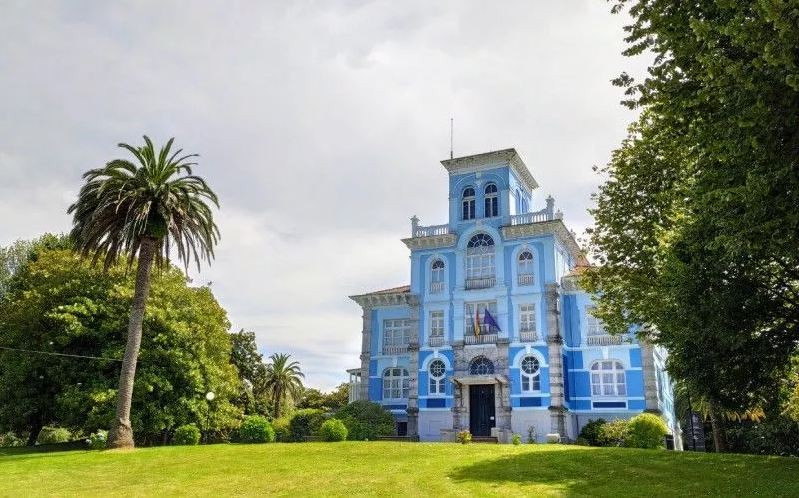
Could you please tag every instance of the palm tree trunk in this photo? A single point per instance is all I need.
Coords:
(719, 438)
(276, 401)
(122, 434)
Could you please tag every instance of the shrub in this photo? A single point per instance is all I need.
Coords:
(54, 435)
(366, 420)
(517, 440)
(465, 437)
(581, 441)
(256, 429)
(11, 439)
(333, 430)
(532, 437)
(613, 433)
(281, 427)
(97, 440)
(646, 431)
(186, 435)
(590, 431)
(305, 423)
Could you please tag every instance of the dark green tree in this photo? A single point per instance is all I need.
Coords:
(254, 396)
(141, 211)
(284, 381)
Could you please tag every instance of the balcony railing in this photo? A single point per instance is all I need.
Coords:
(604, 340)
(528, 336)
(436, 287)
(421, 231)
(436, 341)
(526, 279)
(480, 283)
(395, 349)
(480, 339)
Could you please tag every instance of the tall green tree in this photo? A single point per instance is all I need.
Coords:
(697, 232)
(58, 303)
(141, 210)
(254, 397)
(284, 380)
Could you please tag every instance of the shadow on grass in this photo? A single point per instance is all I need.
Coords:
(614, 471)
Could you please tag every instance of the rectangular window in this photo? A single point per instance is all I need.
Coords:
(593, 326)
(436, 324)
(481, 307)
(527, 318)
(396, 332)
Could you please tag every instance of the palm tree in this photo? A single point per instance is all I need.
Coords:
(284, 380)
(143, 209)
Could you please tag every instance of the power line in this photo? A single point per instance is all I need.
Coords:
(59, 354)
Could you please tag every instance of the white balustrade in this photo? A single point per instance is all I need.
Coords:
(436, 341)
(436, 287)
(480, 339)
(480, 283)
(604, 340)
(395, 349)
(526, 279)
(528, 336)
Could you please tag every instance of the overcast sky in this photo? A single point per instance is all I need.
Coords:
(319, 124)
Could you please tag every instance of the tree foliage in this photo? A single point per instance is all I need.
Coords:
(697, 230)
(283, 380)
(59, 303)
(254, 397)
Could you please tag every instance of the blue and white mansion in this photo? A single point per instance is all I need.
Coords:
(493, 334)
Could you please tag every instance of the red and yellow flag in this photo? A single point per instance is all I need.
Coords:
(476, 321)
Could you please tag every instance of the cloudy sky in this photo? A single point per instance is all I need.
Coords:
(319, 124)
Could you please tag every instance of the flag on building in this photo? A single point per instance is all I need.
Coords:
(489, 320)
(476, 321)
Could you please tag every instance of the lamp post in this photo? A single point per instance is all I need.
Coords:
(210, 396)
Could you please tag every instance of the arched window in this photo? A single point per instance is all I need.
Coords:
(524, 268)
(468, 203)
(530, 372)
(437, 276)
(480, 262)
(396, 383)
(437, 370)
(481, 366)
(607, 378)
(491, 201)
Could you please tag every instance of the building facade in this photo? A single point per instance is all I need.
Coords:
(493, 334)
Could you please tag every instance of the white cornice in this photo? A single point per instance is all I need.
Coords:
(386, 299)
(487, 160)
(554, 227)
(432, 241)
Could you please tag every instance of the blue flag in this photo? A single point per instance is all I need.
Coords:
(489, 320)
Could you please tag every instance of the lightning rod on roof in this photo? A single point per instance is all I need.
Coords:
(451, 126)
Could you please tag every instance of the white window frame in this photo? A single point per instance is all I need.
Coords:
(396, 332)
(533, 380)
(437, 276)
(525, 268)
(593, 325)
(527, 318)
(437, 323)
(480, 260)
(436, 385)
(468, 204)
(491, 201)
(468, 319)
(608, 379)
(396, 383)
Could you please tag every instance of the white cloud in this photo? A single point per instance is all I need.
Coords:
(320, 125)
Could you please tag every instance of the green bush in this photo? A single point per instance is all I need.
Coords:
(186, 435)
(646, 431)
(590, 432)
(613, 433)
(97, 440)
(281, 427)
(517, 439)
(305, 423)
(11, 439)
(333, 430)
(54, 435)
(256, 429)
(581, 441)
(366, 420)
(464, 437)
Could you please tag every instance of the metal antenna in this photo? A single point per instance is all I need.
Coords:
(451, 127)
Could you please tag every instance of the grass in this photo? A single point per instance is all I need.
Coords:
(390, 468)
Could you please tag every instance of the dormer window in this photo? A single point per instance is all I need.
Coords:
(491, 201)
(468, 203)
(437, 276)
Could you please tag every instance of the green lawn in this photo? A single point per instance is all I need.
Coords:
(390, 468)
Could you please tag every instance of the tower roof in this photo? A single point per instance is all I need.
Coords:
(488, 160)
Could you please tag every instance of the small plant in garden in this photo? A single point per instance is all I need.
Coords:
(366, 420)
(281, 427)
(305, 423)
(646, 431)
(333, 430)
(531, 435)
(186, 435)
(54, 435)
(256, 429)
(613, 433)
(97, 440)
(464, 437)
(590, 432)
(517, 439)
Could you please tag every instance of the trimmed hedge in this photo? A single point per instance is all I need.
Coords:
(333, 430)
(366, 420)
(613, 433)
(590, 433)
(186, 435)
(646, 431)
(305, 423)
(281, 427)
(256, 429)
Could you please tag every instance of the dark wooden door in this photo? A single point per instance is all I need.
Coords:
(481, 409)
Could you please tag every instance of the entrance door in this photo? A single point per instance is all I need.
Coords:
(481, 409)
